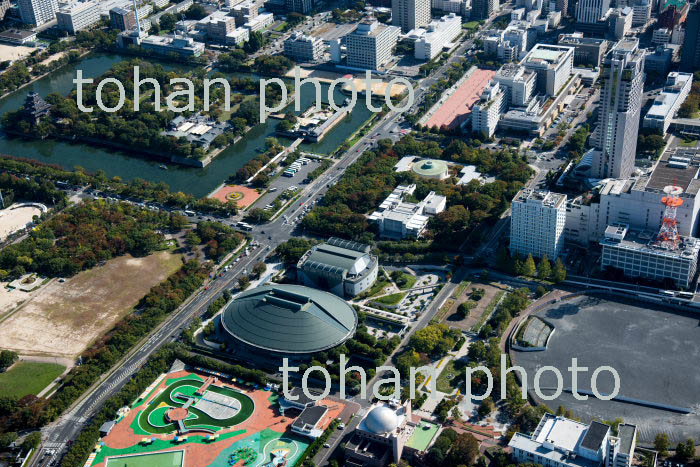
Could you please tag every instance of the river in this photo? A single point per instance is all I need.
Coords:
(196, 181)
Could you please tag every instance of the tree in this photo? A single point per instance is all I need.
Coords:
(31, 441)
(686, 450)
(456, 414)
(167, 21)
(243, 282)
(662, 443)
(544, 269)
(196, 11)
(529, 268)
(559, 273)
(7, 359)
(7, 438)
(486, 407)
(259, 269)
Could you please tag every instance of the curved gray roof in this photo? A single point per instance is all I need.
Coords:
(289, 319)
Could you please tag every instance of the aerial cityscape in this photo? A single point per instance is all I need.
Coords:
(379, 233)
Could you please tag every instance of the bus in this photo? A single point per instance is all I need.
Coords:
(687, 295)
(244, 226)
(668, 293)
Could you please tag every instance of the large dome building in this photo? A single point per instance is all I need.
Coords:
(280, 320)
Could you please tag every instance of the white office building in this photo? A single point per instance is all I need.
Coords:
(621, 101)
(458, 7)
(398, 218)
(437, 35)
(339, 266)
(537, 223)
(518, 82)
(487, 111)
(639, 254)
(561, 442)
(641, 12)
(370, 46)
(667, 103)
(590, 11)
(410, 14)
(302, 48)
(260, 22)
(77, 16)
(37, 12)
(553, 65)
(661, 36)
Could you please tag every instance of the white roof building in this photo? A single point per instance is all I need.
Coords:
(667, 103)
(397, 218)
(438, 35)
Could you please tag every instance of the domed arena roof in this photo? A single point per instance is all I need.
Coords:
(382, 420)
(289, 319)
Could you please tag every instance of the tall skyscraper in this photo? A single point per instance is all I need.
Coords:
(299, 6)
(537, 223)
(37, 12)
(590, 11)
(370, 45)
(690, 56)
(410, 14)
(620, 104)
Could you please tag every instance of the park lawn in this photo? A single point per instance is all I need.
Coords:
(448, 380)
(471, 25)
(410, 281)
(26, 378)
(378, 285)
(689, 143)
(393, 299)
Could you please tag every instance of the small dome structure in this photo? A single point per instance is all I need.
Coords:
(431, 168)
(382, 420)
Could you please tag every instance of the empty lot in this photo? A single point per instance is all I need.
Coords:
(64, 318)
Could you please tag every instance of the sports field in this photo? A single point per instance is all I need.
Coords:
(25, 378)
(156, 459)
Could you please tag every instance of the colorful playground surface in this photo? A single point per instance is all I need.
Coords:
(242, 195)
(188, 419)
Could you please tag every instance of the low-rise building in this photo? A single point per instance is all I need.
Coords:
(165, 45)
(641, 254)
(588, 51)
(437, 35)
(659, 61)
(78, 16)
(398, 218)
(561, 442)
(18, 36)
(260, 22)
(302, 48)
(661, 36)
(217, 26)
(667, 103)
(339, 266)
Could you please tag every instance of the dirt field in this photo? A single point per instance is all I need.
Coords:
(15, 218)
(14, 52)
(62, 319)
(242, 195)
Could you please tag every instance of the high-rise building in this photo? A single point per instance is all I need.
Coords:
(615, 139)
(37, 12)
(483, 9)
(302, 48)
(537, 223)
(370, 46)
(590, 11)
(553, 65)
(690, 57)
(410, 14)
(487, 111)
(299, 6)
(122, 19)
(78, 16)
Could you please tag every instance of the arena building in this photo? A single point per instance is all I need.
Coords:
(342, 267)
(271, 322)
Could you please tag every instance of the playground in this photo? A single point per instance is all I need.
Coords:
(195, 419)
(242, 195)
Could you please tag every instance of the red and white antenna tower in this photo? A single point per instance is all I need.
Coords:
(668, 235)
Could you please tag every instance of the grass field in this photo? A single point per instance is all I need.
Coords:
(393, 299)
(157, 459)
(689, 143)
(26, 378)
(450, 377)
(64, 318)
(407, 280)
